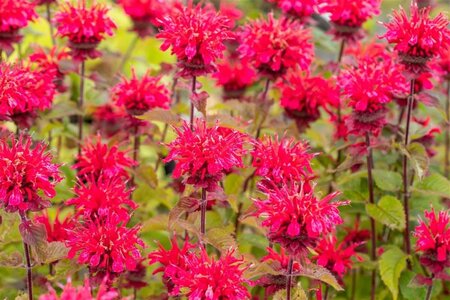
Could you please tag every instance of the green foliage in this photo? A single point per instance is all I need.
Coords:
(391, 264)
(388, 211)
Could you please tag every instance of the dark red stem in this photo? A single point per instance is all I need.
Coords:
(80, 107)
(193, 91)
(203, 205)
(447, 132)
(49, 19)
(373, 233)
(28, 261)
(289, 278)
(263, 100)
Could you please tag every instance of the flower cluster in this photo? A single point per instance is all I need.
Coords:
(196, 35)
(27, 175)
(141, 95)
(295, 218)
(57, 230)
(82, 292)
(14, 15)
(298, 8)
(275, 45)
(84, 27)
(418, 38)
(203, 155)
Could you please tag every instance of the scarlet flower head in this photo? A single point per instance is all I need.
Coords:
(295, 218)
(84, 27)
(107, 247)
(141, 95)
(109, 120)
(301, 9)
(57, 230)
(302, 97)
(207, 278)
(275, 45)
(23, 92)
(196, 35)
(27, 175)
(419, 38)
(81, 292)
(433, 241)
(50, 62)
(100, 197)
(282, 160)
(336, 257)
(203, 155)
(348, 16)
(100, 159)
(14, 15)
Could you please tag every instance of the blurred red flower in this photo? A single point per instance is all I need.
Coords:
(81, 292)
(298, 8)
(84, 27)
(109, 120)
(27, 175)
(57, 230)
(275, 45)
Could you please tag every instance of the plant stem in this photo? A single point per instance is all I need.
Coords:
(447, 132)
(127, 54)
(263, 100)
(407, 241)
(289, 278)
(373, 234)
(339, 110)
(193, 91)
(327, 290)
(49, 19)
(429, 289)
(353, 285)
(80, 107)
(28, 261)
(203, 205)
(136, 146)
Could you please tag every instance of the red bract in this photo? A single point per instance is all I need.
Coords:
(97, 158)
(433, 241)
(234, 76)
(336, 257)
(302, 97)
(176, 256)
(281, 160)
(196, 35)
(206, 278)
(23, 92)
(275, 45)
(298, 8)
(69, 292)
(429, 140)
(107, 247)
(203, 155)
(141, 95)
(418, 38)
(14, 15)
(102, 196)
(27, 175)
(50, 62)
(57, 230)
(295, 218)
(348, 16)
(84, 27)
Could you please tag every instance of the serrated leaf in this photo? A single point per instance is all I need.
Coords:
(186, 204)
(11, 260)
(419, 159)
(436, 184)
(320, 273)
(46, 253)
(221, 238)
(259, 269)
(392, 263)
(32, 234)
(408, 290)
(387, 180)
(161, 115)
(388, 211)
(297, 293)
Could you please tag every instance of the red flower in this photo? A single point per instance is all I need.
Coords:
(50, 62)
(279, 161)
(336, 257)
(27, 175)
(229, 10)
(57, 231)
(82, 292)
(23, 92)
(98, 158)
(141, 95)
(14, 15)
(443, 64)
(348, 16)
(295, 218)
(102, 196)
(418, 38)
(429, 140)
(176, 256)
(206, 278)
(109, 120)
(433, 240)
(275, 45)
(196, 35)
(205, 154)
(108, 247)
(84, 27)
(298, 8)
(234, 76)
(302, 97)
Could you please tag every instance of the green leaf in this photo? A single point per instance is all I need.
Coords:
(419, 159)
(392, 263)
(388, 211)
(387, 180)
(408, 290)
(11, 260)
(297, 293)
(161, 115)
(436, 184)
(46, 253)
(221, 238)
(320, 273)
